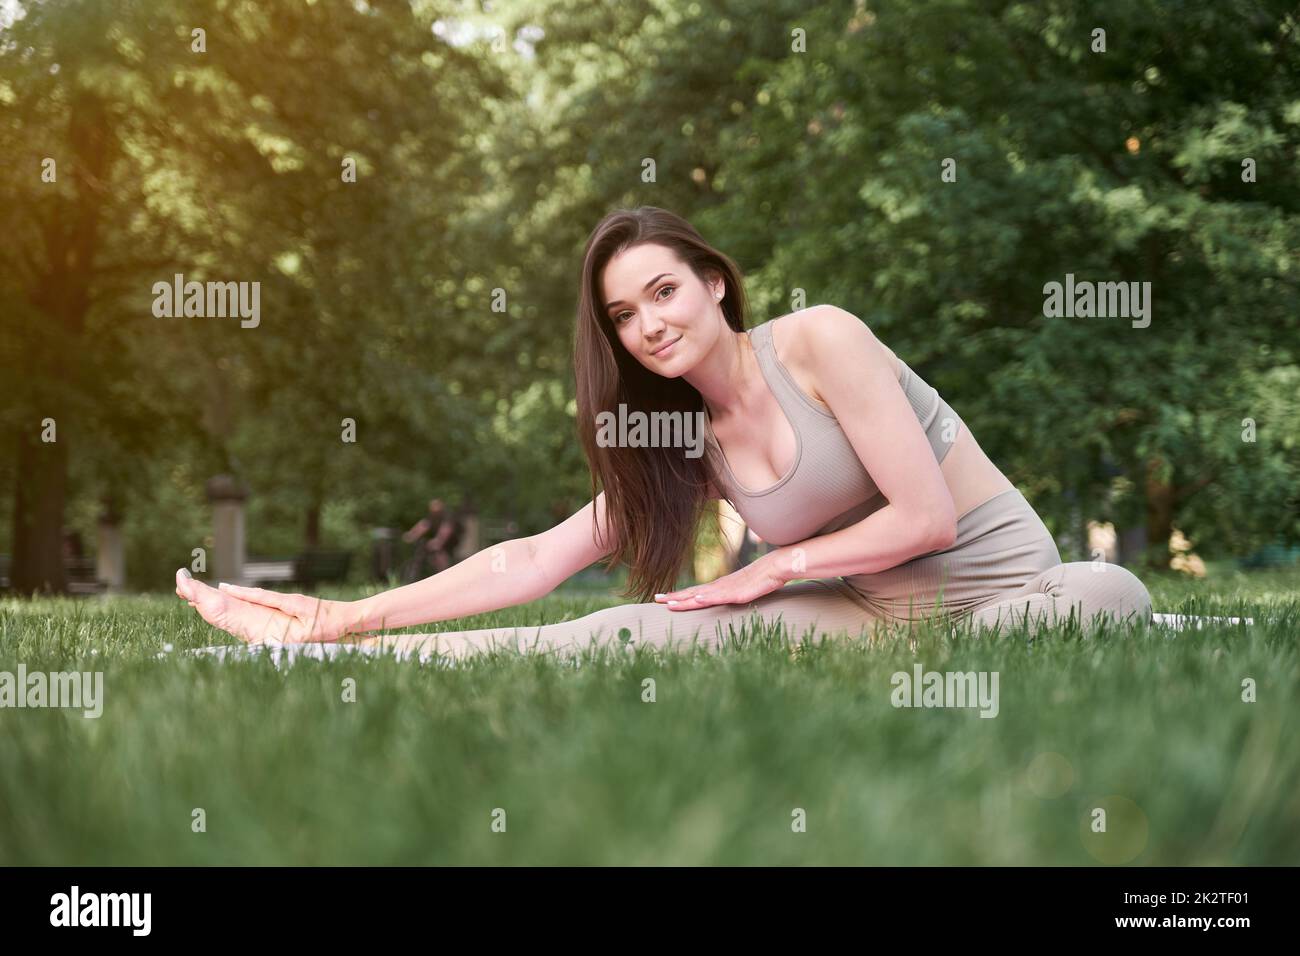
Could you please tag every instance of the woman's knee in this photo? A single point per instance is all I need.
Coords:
(1131, 593)
(1097, 586)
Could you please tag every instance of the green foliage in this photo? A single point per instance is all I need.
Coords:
(818, 168)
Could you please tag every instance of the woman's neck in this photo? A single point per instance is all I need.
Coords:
(729, 383)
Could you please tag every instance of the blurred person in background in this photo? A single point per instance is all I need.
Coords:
(435, 537)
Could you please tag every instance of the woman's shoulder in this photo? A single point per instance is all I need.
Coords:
(799, 338)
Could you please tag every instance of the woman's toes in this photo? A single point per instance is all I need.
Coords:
(249, 622)
(183, 580)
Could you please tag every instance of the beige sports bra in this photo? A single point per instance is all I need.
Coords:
(827, 487)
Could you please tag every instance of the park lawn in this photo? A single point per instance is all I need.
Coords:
(755, 755)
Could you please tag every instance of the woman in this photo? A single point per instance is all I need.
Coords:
(867, 486)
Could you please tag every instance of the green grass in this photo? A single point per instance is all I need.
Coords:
(1149, 726)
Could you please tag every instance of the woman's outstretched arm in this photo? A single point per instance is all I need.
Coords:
(501, 576)
(504, 575)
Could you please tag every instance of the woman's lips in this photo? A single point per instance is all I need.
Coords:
(665, 349)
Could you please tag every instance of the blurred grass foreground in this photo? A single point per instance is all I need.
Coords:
(766, 752)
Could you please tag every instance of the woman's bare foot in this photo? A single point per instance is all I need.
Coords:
(249, 622)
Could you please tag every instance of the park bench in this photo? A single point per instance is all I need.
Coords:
(80, 574)
(81, 577)
(315, 567)
(1271, 556)
(260, 572)
(305, 570)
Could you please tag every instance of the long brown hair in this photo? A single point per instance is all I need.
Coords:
(654, 497)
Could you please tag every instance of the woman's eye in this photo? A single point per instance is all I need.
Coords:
(618, 319)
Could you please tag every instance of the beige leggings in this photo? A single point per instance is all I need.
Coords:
(1003, 569)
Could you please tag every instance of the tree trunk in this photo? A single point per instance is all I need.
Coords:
(41, 487)
(313, 527)
(61, 295)
(1160, 504)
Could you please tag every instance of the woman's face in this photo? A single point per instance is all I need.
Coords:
(665, 316)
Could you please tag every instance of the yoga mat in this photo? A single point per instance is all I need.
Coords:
(1181, 622)
(314, 650)
(288, 653)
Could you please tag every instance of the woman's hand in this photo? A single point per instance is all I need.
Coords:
(740, 587)
(309, 618)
